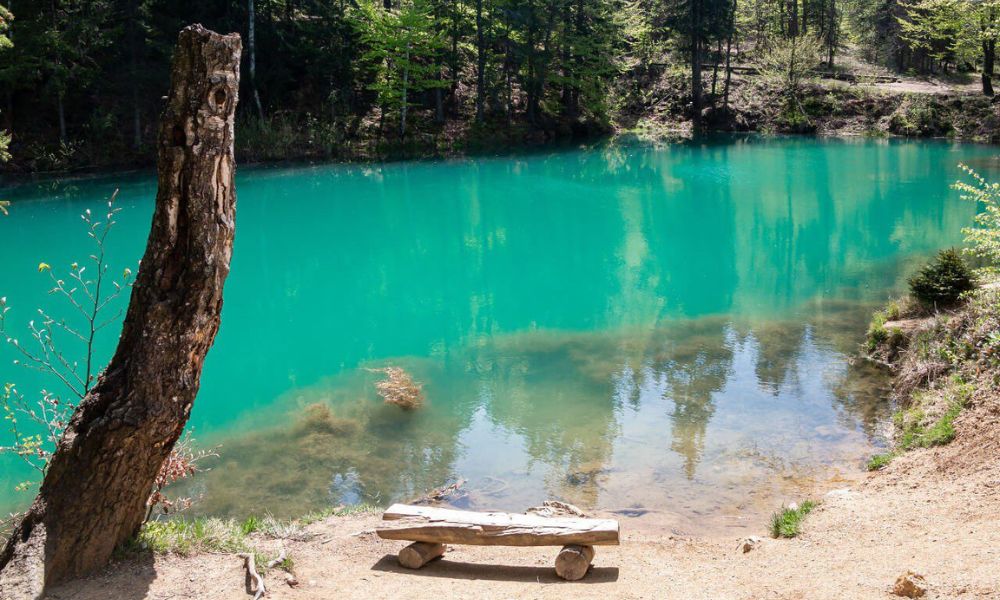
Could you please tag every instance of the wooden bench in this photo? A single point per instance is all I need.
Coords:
(431, 528)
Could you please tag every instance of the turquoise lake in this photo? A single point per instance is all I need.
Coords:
(650, 329)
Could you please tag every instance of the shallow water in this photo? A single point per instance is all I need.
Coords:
(631, 328)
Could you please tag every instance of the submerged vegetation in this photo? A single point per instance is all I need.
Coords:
(399, 389)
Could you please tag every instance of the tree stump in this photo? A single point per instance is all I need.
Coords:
(93, 497)
(574, 561)
(419, 554)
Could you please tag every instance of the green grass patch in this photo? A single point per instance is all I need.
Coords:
(208, 534)
(880, 461)
(189, 536)
(250, 525)
(787, 522)
(916, 434)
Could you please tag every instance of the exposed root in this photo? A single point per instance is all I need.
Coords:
(279, 560)
(253, 577)
(399, 388)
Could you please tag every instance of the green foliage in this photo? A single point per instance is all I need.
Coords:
(5, 43)
(92, 292)
(985, 235)
(209, 534)
(950, 30)
(881, 338)
(911, 423)
(943, 281)
(4, 144)
(789, 66)
(403, 52)
(880, 461)
(250, 525)
(338, 79)
(919, 116)
(788, 521)
(934, 26)
(186, 537)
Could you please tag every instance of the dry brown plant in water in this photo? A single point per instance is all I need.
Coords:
(399, 388)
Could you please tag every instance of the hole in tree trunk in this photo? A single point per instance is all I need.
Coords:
(220, 97)
(177, 137)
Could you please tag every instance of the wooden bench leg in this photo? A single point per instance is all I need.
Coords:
(419, 554)
(574, 561)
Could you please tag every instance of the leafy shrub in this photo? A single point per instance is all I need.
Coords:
(919, 116)
(985, 236)
(943, 281)
(887, 340)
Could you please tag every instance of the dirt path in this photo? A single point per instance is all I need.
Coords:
(934, 512)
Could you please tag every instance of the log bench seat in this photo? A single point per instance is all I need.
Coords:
(431, 528)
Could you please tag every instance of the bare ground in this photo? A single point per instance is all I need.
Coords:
(934, 512)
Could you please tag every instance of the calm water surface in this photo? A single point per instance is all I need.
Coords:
(654, 329)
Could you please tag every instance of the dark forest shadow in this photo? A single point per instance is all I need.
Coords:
(463, 570)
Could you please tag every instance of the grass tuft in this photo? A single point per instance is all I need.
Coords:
(787, 522)
(880, 461)
(915, 434)
(250, 525)
(189, 536)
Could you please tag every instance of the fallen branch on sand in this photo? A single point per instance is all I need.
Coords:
(253, 576)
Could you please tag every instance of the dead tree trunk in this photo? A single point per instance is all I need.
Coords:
(94, 494)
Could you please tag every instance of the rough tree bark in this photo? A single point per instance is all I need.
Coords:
(94, 494)
(989, 59)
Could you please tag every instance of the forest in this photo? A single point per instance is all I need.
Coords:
(81, 81)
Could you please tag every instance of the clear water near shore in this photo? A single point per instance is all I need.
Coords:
(632, 328)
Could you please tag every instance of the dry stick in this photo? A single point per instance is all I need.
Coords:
(279, 560)
(248, 562)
